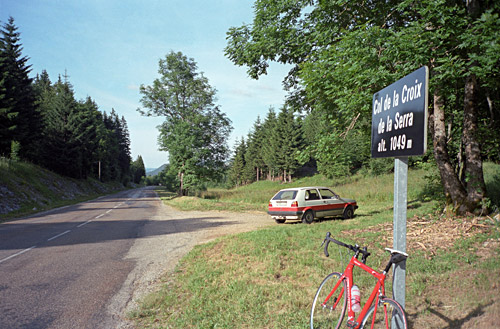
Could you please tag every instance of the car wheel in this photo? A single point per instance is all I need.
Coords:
(348, 213)
(308, 217)
(279, 220)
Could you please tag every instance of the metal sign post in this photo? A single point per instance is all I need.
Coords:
(399, 230)
(399, 130)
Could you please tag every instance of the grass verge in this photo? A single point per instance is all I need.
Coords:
(26, 189)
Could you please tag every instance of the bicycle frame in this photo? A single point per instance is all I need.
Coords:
(378, 290)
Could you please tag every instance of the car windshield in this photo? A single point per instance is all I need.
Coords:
(285, 195)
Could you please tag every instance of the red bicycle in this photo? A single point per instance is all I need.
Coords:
(334, 295)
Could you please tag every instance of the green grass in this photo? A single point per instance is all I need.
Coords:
(267, 278)
(492, 179)
(378, 195)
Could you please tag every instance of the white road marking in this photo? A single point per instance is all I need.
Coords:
(85, 223)
(56, 236)
(16, 254)
(61, 234)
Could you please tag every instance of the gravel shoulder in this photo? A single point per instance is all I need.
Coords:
(163, 241)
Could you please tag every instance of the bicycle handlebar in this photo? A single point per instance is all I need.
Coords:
(357, 249)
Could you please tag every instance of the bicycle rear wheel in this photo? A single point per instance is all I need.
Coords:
(328, 312)
(389, 314)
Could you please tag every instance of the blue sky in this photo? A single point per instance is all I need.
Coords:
(110, 47)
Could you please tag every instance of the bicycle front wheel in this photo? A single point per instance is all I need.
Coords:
(390, 314)
(329, 306)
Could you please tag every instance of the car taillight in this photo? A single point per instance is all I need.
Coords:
(295, 204)
(270, 204)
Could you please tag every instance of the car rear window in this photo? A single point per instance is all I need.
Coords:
(285, 195)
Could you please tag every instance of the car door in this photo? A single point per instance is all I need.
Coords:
(334, 205)
(314, 201)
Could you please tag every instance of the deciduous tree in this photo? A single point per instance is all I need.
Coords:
(195, 131)
(344, 51)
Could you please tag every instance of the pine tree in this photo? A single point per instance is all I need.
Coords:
(237, 169)
(19, 116)
(108, 150)
(84, 123)
(138, 170)
(270, 144)
(254, 163)
(289, 138)
(7, 113)
(58, 152)
(78, 140)
(124, 157)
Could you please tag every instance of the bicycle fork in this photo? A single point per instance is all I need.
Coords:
(336, 300)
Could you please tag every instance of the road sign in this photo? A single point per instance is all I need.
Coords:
(399, 117)
(399, 129)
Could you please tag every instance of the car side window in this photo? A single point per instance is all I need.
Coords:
(327, 194)
(312, 195)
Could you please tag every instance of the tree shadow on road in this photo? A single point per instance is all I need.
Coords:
(96, 231)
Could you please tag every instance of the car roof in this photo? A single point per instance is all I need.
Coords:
(304, 188)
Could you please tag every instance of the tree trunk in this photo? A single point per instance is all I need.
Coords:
(453, 189)
(476, 188)
(181, 187)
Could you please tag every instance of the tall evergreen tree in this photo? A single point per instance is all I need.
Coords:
(8, 115)
(18, 113)
(237, 168)
(270, 144)
(108, 150)
(254, 164)
(84, 123)
(138, 170)
(123, 138)
(290, 138)
(58, 152)
(79, 140)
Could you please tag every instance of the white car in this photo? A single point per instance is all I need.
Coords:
(308, 203)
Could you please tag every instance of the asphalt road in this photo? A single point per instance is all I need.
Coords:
(59, 269)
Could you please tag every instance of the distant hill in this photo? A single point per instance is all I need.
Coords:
(154, 172)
